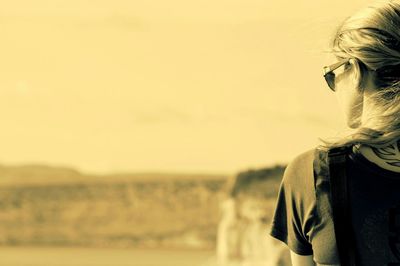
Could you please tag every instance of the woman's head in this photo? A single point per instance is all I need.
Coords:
(369, 84)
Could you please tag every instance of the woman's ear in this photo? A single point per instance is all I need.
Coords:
(357, 98)
(358, 78)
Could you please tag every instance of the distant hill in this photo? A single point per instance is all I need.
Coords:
(41, 205)
(48, 175)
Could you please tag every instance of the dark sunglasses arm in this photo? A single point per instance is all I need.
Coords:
(330, 68)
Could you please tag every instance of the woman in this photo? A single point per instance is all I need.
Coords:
(366, 80)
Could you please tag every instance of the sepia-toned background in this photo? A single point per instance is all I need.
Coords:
(137, 132)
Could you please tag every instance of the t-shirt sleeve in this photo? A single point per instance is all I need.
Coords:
(292, 218)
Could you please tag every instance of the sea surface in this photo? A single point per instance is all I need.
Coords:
(72, 256)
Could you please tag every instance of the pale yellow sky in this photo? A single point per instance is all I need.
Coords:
(182, 86)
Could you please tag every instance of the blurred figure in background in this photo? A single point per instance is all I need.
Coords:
(245, 210)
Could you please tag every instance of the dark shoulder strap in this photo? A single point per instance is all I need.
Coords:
(340, 205)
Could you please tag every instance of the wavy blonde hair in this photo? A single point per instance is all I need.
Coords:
(372, 38)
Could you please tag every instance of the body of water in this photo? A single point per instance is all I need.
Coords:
(55, 256)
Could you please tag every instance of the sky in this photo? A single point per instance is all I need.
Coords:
(211, 86)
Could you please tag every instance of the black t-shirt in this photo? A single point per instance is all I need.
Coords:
(303, 215)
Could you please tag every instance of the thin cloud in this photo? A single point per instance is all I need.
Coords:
(127, 22)
(160, 116)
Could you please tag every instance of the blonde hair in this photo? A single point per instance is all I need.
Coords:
(372, 38)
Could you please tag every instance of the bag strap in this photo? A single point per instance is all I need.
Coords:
(340, 205)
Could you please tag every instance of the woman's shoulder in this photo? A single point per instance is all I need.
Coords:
(305, 155)
(300, 170)
(303, 161)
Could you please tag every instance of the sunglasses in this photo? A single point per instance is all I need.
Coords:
(329, 75)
